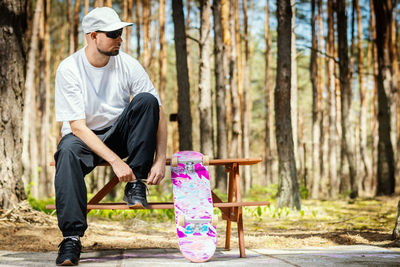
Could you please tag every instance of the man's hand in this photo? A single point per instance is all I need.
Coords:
(157, 173)
(122, 171)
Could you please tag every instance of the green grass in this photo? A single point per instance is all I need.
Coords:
(360, 214)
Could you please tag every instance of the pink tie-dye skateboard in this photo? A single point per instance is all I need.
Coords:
(194, 216)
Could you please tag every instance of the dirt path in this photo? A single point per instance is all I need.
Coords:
(25, 229)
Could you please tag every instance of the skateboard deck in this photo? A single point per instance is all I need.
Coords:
(195, 222)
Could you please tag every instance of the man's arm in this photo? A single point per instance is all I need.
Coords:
(157, 171)
(120, 168)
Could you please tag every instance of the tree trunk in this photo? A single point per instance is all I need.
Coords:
(59, 55)
(345, 87)
(293, 84)
(138, 27)
(33, 126)
(239, 78)
(220, 85)
(369, 78)
(398, 100)
(192, 57)
(70, 20)
(370, 182)
(246, 100)
(97, 3)
(125, 7)
(29, 12)
(29, 101)
(163, 52)
(365, 161)
(76, 23)
(226, 32)
(288, 188)
(333, 138)
(316, 175)
(12, 50)
(187, 24)
(374, 104)
(395, 99)
(383, 15)
(193, 80)
(323, 129)
(127, 16)
(184, 116)
(355, 130)
(338, 111)
(86, 7)
(146, 34)
(206, 140)
(45, 184)
(233, 78)
(270, 148)
(396, 230)
(40, 100)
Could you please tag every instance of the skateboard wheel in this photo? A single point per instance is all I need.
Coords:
(181, 220)
(214, 220)
(206, 161)
(174, 162)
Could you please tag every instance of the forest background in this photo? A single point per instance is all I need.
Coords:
(221, 73)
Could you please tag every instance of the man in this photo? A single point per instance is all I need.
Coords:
(100, 123)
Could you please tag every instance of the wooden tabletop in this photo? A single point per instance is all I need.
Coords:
(240, 161)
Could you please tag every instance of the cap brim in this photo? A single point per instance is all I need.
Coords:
(115, 26)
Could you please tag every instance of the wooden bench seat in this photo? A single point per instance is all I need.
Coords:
(231, 210)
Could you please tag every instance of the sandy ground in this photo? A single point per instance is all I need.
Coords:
(25, 229)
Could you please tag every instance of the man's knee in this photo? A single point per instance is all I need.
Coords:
(73, 153)
(69, 146)
(145, 100)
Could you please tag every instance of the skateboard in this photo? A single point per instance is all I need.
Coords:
(195, 222)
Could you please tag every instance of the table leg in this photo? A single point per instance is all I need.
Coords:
(230, 198)
(104, 191)
(239, 212)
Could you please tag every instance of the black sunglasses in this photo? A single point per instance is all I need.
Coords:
(114, 34)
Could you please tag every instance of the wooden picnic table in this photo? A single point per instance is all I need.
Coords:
(231, 210)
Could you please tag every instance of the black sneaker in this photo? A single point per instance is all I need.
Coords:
(135, 194)
(69, 252)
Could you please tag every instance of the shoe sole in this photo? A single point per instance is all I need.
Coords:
(67, 263)
(136, 205)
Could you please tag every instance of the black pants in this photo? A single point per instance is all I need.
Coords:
(133, 135)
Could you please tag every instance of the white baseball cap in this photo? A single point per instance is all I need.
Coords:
(102, 19)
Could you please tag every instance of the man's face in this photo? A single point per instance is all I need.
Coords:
(109, 43)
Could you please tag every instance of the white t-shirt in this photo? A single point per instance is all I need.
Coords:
(98, 95)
